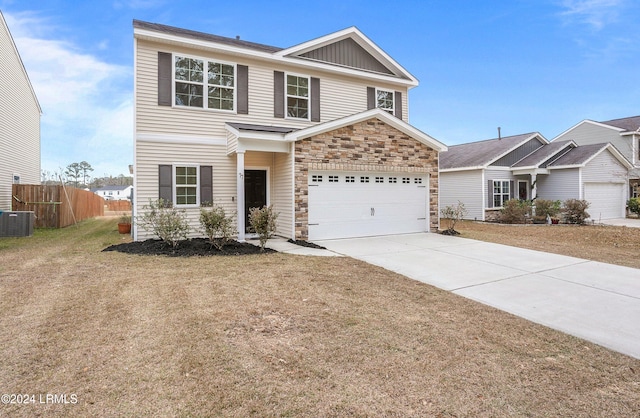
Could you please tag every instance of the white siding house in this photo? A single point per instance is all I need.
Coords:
(19, 121)
(242, 125)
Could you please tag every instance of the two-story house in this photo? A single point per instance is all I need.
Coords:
(622, 133)
(318, 130)
(114, 192)
(19, 121)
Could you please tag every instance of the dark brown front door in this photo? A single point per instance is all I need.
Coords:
(255, 192)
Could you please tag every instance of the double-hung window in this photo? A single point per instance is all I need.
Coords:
(204, 84)
(297, 96)
(186, 185)
(385, 100)
(501, 192)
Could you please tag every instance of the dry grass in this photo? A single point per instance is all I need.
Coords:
(276, 335)
(609, 244)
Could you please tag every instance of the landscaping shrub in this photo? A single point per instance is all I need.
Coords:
(217, 226)
(263, 222)
(575, 211)
(634, 205)
(453, 214)
(515, 211)
(164, 221)
(544, 208)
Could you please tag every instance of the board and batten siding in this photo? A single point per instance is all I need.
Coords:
(340, 96)
(19, 122)
(561, 184)
(466, 187)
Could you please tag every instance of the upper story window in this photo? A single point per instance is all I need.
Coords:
(297, 96)
(385, 100)
(204, 84)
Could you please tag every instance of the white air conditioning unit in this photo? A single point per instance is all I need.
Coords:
(17, 224)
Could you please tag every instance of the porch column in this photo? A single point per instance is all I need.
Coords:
(534, 186)
(240, 195)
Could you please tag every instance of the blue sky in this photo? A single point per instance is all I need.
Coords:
(523, 65)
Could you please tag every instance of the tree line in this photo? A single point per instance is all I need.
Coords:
(79, 175)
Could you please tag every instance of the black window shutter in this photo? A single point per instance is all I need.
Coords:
(490, 197)
(164, 79)
(206, 184)
(278, 94)
(512, 192)
(371, 98)
(315, 99)
(243, 89)
(398, 104)
(165, 183)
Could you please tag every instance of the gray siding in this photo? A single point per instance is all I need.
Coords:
(588, 133)
(559, 184)
(466, 187)
(604, 168)
(19, 121)
(349, 54)
(518, 153)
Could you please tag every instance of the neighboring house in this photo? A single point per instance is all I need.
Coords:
(19, 121)
(114, 192)
(485, 174)
(318, 130)
(623, 133)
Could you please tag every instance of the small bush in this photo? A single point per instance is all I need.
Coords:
(217, 226)
(634, 205)
(549, 208)
(515, 211)
(164, 221)
(453, 214)
(263, 222)
(575, 211)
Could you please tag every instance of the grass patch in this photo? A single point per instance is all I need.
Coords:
(277, 335)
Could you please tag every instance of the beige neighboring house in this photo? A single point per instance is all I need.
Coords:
(319, 130)
(623, 133)
(19, 121)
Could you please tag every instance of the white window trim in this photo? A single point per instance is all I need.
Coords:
(393, 100)
(493, 193)
(175, 185)
(205, 85)
(287, 95)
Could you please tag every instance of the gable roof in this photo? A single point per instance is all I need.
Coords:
(379, 114)
(543, 154)
(581, 155)
(481, 154)
(627, 124)
(347, 51)
(110, 188)
(3, 24)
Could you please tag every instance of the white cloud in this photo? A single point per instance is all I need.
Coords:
(595, 13)
(86, 102)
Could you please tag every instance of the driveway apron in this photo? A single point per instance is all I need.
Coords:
(595, 301)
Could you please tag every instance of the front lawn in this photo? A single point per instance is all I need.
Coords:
(275, 335)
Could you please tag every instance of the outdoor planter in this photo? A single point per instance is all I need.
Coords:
(124, 228)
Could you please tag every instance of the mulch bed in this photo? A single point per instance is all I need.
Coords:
(186, 248)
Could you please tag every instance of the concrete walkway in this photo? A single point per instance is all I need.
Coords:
(595, 301)
(628, 222)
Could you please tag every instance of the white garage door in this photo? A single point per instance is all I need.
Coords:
(606, 200)
(360, 204)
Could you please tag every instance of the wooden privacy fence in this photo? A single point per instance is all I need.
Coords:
(118, 205)
(53, 207)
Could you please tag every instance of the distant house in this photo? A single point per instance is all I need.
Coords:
(114, 192)
(319, 130)
(622, 133)
(485, 174)
(19, 121)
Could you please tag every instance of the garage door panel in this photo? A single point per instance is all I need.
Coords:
(606, 200)
(384, 205)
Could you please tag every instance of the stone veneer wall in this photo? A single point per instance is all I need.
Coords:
(371, 145)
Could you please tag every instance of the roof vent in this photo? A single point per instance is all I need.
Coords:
(237, 37)
(499, 136)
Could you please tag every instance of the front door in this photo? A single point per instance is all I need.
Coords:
(523, 190)
(255, 192)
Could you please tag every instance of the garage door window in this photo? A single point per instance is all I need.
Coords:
(364, 179)
(349, 179)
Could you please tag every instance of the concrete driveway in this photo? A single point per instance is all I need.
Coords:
(595, 301)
